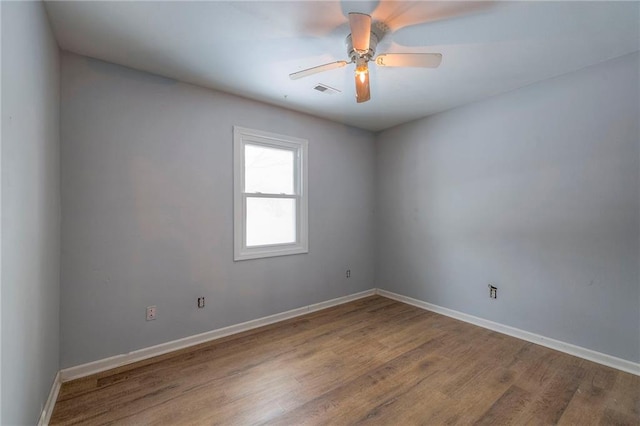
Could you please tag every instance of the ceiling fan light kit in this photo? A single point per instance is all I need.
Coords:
(361, 49)
(361, 58)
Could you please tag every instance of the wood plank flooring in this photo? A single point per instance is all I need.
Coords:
(373, 361)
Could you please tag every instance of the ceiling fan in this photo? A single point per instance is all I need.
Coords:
(361, 48)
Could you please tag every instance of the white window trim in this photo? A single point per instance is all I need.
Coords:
(242, 136)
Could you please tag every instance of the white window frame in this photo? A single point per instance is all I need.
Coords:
(241, 137)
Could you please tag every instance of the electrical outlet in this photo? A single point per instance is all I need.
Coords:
(493, 292)
(151, 313)
(200, 302)
(348, 273)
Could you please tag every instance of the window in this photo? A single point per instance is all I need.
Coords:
(270, 194)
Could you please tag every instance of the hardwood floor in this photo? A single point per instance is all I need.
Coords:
(370, 361)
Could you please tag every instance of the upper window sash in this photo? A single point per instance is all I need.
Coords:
(294, 148)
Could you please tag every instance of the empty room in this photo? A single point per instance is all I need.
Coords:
(320, 212)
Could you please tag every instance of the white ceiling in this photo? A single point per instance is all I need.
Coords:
(249, 48)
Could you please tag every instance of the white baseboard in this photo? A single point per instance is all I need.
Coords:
(45, 417)
(588, 354)
(98, 366)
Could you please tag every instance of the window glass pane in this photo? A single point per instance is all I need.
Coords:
(268, 170)
(270, 221)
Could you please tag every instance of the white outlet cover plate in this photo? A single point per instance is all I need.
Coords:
(151, 313)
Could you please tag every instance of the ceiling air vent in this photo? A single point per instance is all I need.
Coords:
(325, 89)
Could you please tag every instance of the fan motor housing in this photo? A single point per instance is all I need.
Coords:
(353, 54)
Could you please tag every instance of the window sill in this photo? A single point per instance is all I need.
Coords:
(262, 252)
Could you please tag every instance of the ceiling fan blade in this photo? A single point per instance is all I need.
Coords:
(315, 70)
(360, 24)
(400, 14)
(363, 92)
(420, 60)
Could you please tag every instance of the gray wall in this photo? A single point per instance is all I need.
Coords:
(148, 220)
(30, 211)
(535, 191)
